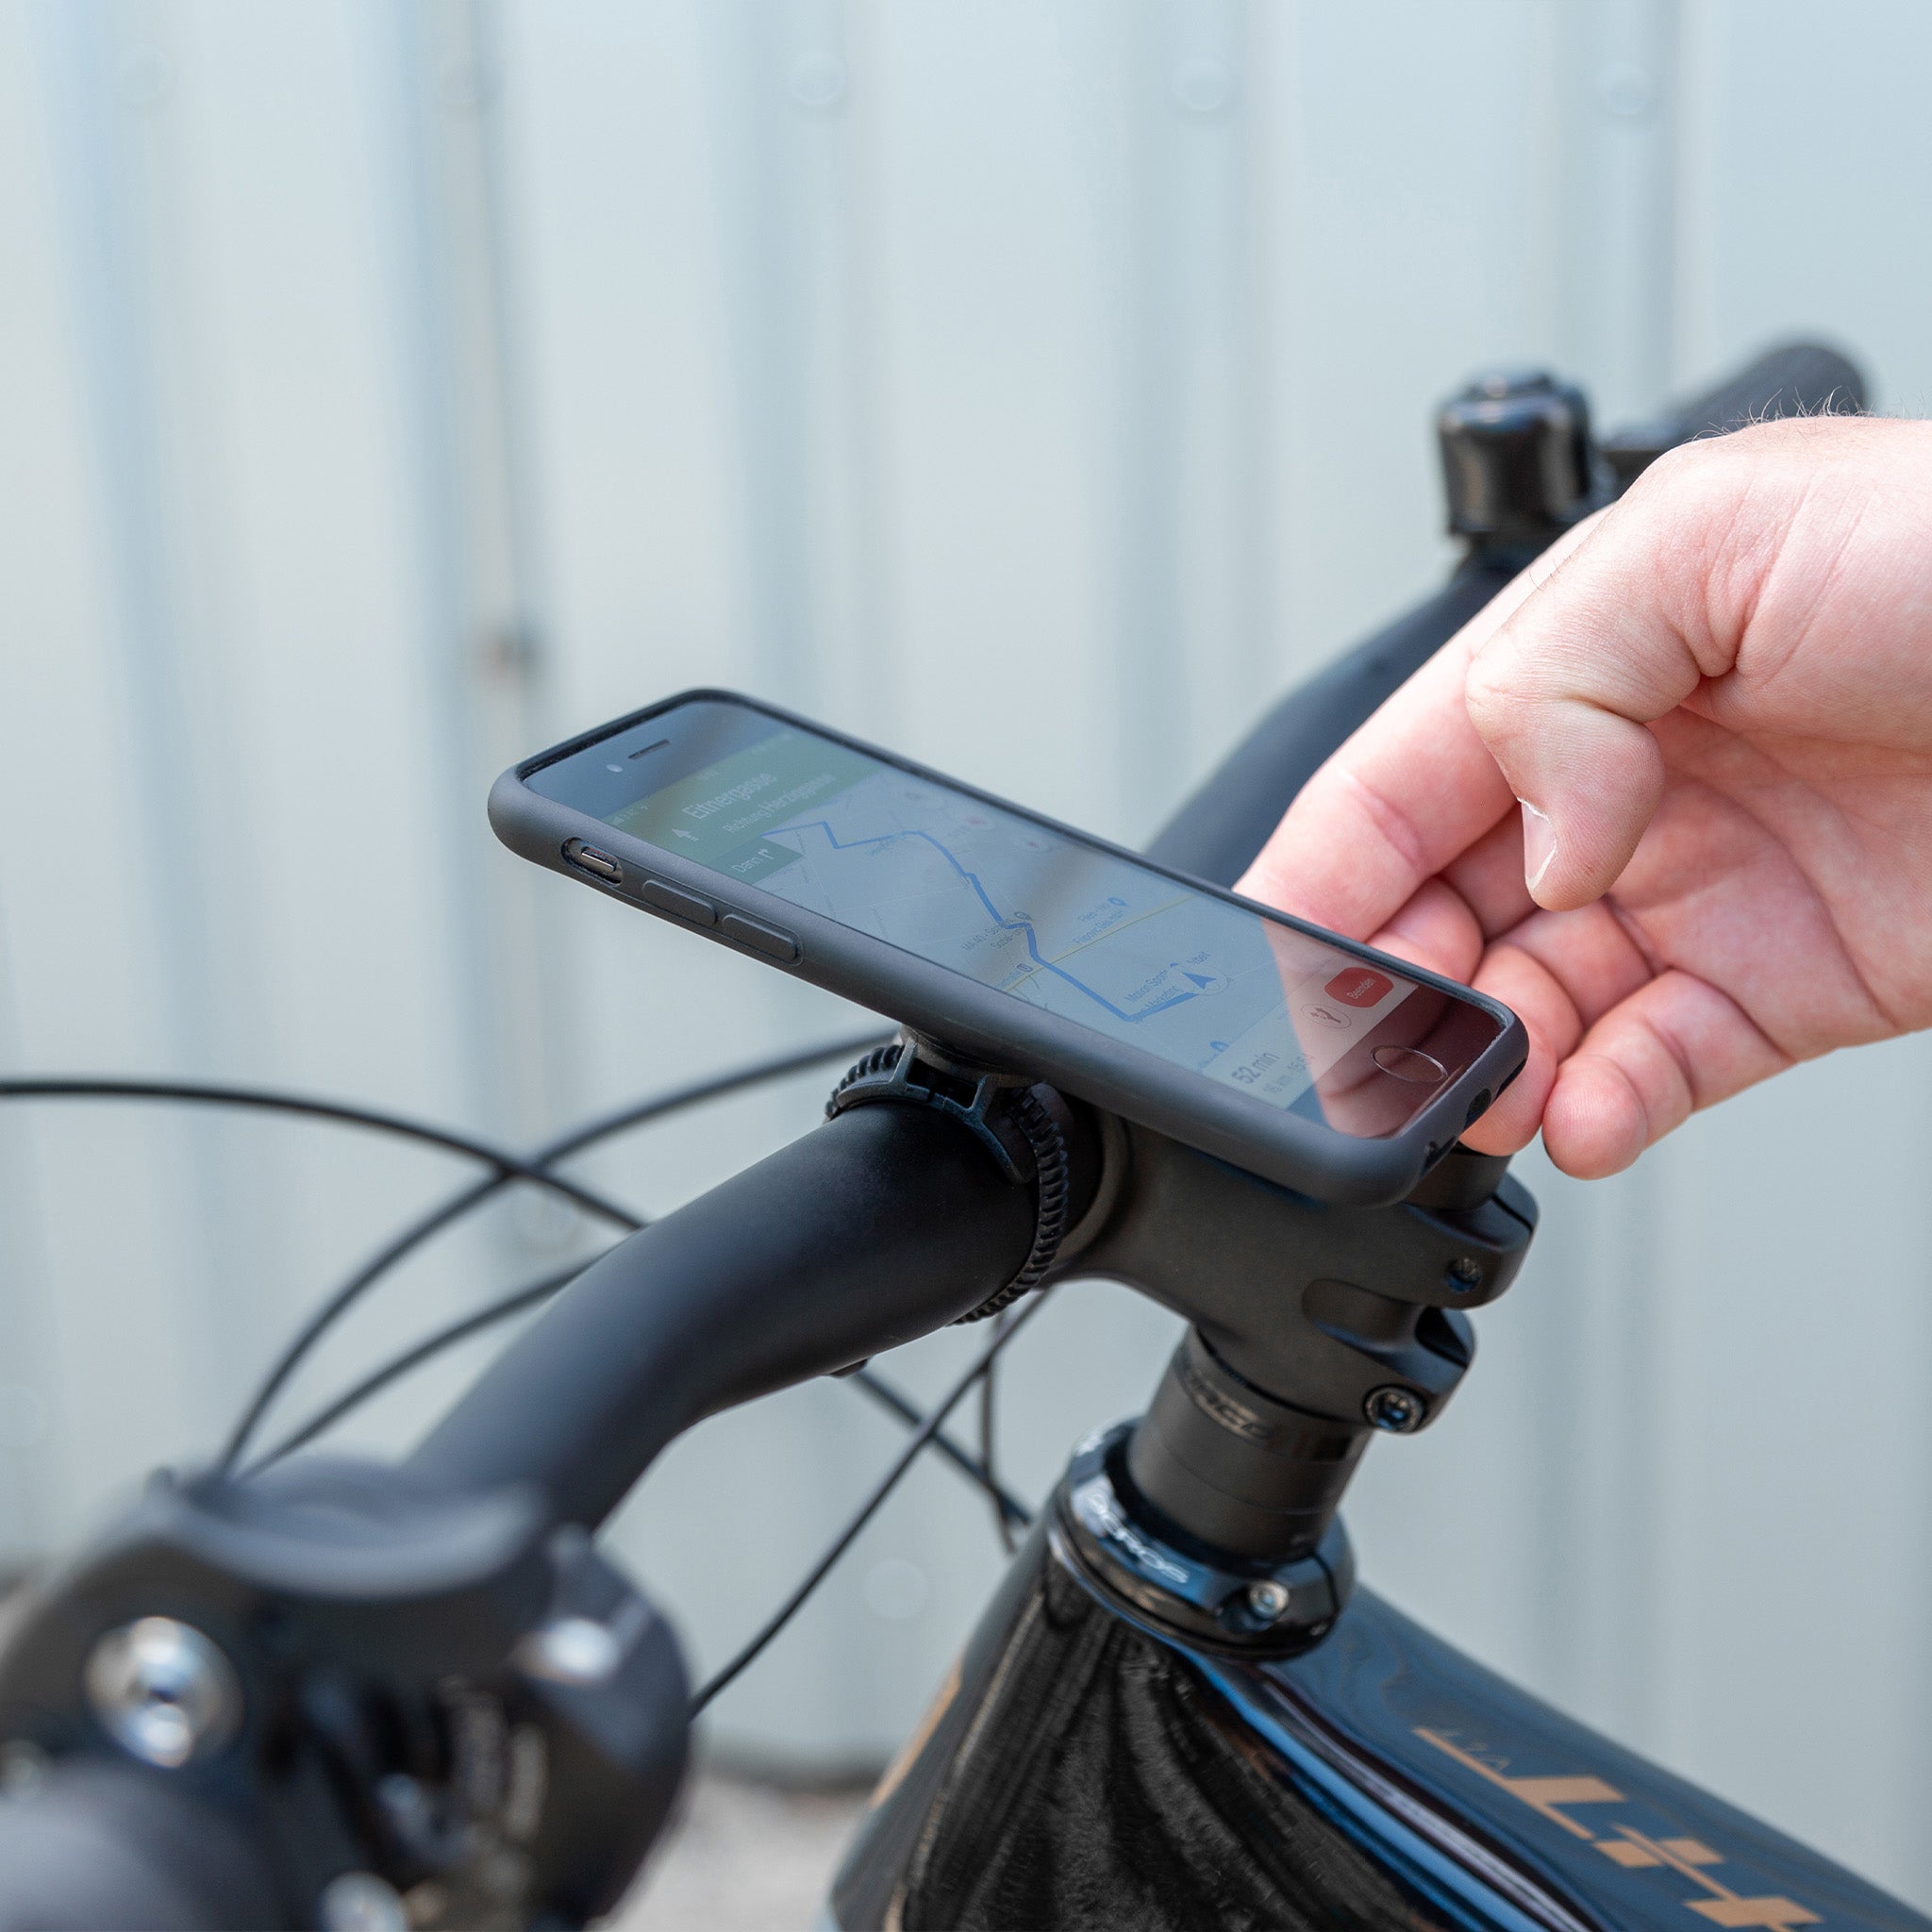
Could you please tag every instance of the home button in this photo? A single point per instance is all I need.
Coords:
(1412, 1064)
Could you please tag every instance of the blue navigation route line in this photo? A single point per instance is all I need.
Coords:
(994, 912)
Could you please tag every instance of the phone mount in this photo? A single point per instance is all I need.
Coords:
(1030, 1130)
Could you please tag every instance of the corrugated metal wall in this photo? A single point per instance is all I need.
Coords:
(385, 389)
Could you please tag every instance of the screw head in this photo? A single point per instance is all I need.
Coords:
(1267, 1600)
(572, 1649)
(1398, 1410)
(361, 1902)
(162, 1691)
(1463, 1275)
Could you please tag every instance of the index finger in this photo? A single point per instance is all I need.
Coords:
(1412, 790)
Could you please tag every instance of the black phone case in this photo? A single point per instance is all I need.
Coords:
(1010, 1033)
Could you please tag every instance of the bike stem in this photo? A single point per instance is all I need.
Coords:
(1312, 1328)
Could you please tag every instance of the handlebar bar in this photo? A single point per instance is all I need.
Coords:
(1217, 832)
(1792, 379)
(880, 1227)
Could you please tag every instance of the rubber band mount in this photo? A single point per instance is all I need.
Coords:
(1019, 1123)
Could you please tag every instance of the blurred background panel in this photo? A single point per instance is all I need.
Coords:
(389, 389)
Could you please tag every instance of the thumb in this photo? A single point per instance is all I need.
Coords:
(1564, 690)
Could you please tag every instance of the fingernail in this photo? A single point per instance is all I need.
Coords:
(1538, 844)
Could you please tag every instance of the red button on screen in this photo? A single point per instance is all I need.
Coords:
(1360, 986)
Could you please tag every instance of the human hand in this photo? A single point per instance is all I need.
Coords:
(1714, 702)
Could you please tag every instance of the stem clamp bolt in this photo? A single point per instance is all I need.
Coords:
(1398, 1410)
(162, 1691)
(1463, 1275)
(1268, 1601)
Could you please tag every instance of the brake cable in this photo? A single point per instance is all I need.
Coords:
(1007, 1508)
(1008, 1512)
(1003, 1521)
(1044, 1141)
(466, 1201)
(398, 1366)
(509, 1166)
(509, 1170)
(870, 1508)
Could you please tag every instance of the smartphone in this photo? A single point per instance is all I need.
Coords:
(1268, 1044)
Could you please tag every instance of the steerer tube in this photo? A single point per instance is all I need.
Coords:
(1236, 1470)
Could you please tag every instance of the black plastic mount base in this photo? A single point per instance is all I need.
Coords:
(1157, 1577)
(1027, 1127)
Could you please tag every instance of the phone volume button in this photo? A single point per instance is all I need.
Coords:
(771, 940)
(662, 896)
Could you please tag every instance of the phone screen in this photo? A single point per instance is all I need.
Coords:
(1021, 906)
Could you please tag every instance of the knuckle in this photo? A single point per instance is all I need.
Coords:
(1495, 694)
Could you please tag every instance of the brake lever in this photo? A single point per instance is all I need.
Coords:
(437, 1711)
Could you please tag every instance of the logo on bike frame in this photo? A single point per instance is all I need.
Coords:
(1634, 1850)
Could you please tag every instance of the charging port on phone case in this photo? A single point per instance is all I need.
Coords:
(588, 858)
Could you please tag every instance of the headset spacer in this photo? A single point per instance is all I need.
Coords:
(1015, 1122)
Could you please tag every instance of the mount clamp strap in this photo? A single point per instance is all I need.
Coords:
(1019, 1125)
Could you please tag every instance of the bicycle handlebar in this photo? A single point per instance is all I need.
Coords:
(1217, 832)
(1792, 379)
(879, 1226)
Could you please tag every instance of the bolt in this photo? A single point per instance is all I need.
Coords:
(1463, 1273)
(1268, 1601)
(1398, 1410)
(572, 1649)
(163, 1691)
(361, 1902)
(408, 1807)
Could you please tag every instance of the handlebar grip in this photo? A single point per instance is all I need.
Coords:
(1219, 831)
(1792, 379)
(102, 1845)
(878, 1228)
